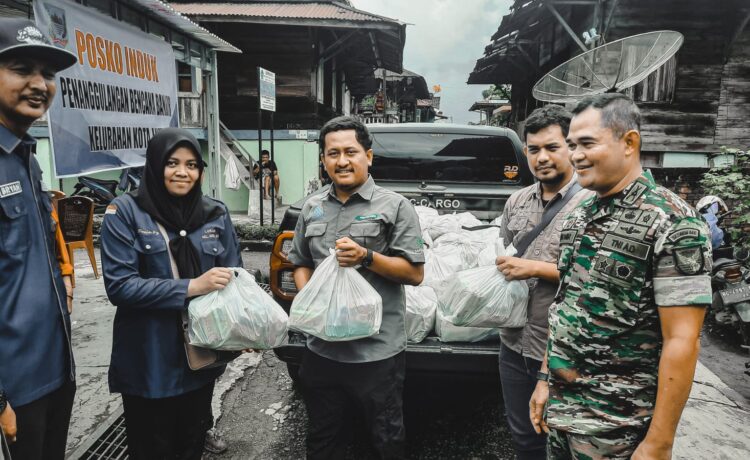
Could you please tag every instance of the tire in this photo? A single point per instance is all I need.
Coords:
(293, 370)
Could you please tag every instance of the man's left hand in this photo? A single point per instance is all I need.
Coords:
(349, 253)
(69, 292)
(647, 451)
(515, 268)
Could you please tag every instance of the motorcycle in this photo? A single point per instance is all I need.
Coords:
(102, 191)
(730, 275)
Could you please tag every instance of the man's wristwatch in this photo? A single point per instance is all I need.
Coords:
(367, 261)
(3, 401)
(542, 376)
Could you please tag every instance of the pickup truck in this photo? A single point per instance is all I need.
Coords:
(451, 168)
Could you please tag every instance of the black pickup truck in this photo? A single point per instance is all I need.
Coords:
(452, 168)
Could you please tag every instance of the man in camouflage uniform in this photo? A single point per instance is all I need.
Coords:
(635, 266)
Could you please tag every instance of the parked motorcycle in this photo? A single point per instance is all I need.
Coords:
(730, 276)
(102, 191)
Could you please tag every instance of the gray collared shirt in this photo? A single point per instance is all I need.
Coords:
(521, 214)
(375, 218)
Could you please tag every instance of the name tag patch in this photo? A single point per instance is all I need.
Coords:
(369, 217)
(626, 246)
(10, 189)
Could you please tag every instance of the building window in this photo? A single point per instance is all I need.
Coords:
(185, 78)
(659, 86)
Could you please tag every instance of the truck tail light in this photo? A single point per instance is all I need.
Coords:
(282, 270)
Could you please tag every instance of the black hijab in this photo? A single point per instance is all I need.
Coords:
(181, 215)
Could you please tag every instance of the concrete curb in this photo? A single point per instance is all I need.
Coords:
(714, 423)
(257, 245)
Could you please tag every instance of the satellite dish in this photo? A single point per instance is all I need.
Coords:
(609, 68)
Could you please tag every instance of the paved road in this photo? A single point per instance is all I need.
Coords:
(263, 416)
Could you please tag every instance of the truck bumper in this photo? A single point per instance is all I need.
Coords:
(430, 357)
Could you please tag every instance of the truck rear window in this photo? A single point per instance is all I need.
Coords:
(444, 157)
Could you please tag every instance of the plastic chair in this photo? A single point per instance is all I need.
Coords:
(56, 195)
(77, 224)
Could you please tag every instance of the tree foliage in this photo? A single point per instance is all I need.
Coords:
(731, 182)
(502, 92)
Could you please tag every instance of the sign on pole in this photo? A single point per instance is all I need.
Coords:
(111, 103)
(267, 86)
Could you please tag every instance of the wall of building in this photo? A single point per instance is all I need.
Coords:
(296, 159)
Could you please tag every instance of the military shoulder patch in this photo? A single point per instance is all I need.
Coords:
(689, 261)
(683, 233)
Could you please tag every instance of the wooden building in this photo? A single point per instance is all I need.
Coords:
(323, 53)
(694, 104)
(399, 98)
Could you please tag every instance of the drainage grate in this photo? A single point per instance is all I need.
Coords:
(111, 444)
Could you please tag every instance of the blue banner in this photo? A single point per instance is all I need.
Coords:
(120, 93)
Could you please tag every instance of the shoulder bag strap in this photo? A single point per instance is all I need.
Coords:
(547, 217)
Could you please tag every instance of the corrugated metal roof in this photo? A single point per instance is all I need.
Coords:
(167, 13)
(312, 10)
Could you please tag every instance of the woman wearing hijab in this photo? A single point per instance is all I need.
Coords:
(162, 245)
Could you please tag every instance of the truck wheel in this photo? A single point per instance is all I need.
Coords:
(293, 370)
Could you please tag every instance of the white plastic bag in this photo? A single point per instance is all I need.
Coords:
(481, 297)
(421, 307)
(337, 304)
(447, 332)
(426, 215)
(441, 264)
(240, 316)
(468, 247)
(440, 225)
(489, 255)
(467, 219)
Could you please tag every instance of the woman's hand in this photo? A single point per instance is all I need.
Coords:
(213, 280)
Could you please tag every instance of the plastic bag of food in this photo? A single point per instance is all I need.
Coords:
(447, 332)
(440, 225)
(441, 264)
(467, 219)
(489, 255)
(240, 316)
(468, 247)
(421, 307)
(482, 297)
(337, 304)
(426, 215)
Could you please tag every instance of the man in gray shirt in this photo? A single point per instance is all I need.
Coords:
(377, 229)
(523, 349)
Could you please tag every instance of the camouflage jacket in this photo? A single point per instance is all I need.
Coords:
(620, 257)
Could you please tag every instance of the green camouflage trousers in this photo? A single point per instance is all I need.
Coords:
(617, 444)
